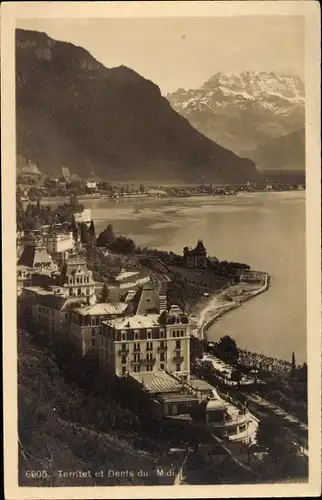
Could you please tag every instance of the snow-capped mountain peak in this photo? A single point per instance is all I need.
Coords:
(234, 109)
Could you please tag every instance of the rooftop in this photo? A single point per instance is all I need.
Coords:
(146, 300)
(34, 256)
(135, 322)
(200, 385)
(126, 274)
(106, 308)
(157, 382)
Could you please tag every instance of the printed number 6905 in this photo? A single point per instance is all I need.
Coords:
(36, 474)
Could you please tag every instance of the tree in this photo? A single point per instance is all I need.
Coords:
(302, 373)
(227, 349)
(92, 229)
(268, 430)
(84, 234)
(74, 229)
(106, 237)
(123, 245)
(236, 376)
(104, 293)
(293, 369)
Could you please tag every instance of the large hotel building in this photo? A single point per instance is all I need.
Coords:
(148, 342)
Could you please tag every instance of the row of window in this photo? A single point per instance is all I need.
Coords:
(80, 291)
(174, 334)
(149, 345)
(80, 280)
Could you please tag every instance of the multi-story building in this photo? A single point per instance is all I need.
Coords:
(196, 257)
(146, 342)
(59, 245)
(33, 259)
(76, 281)
(85, 324)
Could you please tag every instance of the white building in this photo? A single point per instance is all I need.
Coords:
(148, 342)
(85, 324)
(91, 185)
(59, 242)
(83, 217)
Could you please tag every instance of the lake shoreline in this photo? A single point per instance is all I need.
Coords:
(221, 303)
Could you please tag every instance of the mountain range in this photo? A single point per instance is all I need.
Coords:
(246, 112)
(72, 111)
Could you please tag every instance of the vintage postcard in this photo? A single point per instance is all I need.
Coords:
(161, 249)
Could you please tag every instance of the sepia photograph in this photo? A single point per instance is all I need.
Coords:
(160, 269)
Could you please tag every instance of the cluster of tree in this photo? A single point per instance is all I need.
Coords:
(117, 244)
(86, 234)
(36, 215)
(282, 460)
(102, 268)
(177, 293)
(228, 268)
(226, 349)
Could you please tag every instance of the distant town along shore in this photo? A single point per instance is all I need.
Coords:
(33, 185)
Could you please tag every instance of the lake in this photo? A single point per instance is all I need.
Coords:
(264, 230)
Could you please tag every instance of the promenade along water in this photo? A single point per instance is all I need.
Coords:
(265, 230)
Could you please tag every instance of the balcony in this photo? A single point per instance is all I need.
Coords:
(162, 349)
(124, 353)
(178, 359)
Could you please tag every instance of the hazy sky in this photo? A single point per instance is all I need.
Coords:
(185, 52)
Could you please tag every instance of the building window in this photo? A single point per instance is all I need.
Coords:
(149, 346)
(136, 368)
(162, 366)
(93, 341)
(182, 333)
(162, 344)
(173, 333)
(123, 336)
(136, 335)
(123, 370)
(124, 347)
(136, 346)
(178, 344)
(149, 334)
(161, 334)
(123, 361)
(136, 358)
(161, 356)
(93, 332)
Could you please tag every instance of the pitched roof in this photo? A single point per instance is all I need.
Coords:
(157, 382)
(136, 322)
(72, 264)
(34, 256)
(200, 247)
(146, 300)
(102, 309)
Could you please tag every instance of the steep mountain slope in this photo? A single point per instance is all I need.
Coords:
(285, 153)
(72, 111)
(241, 112)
